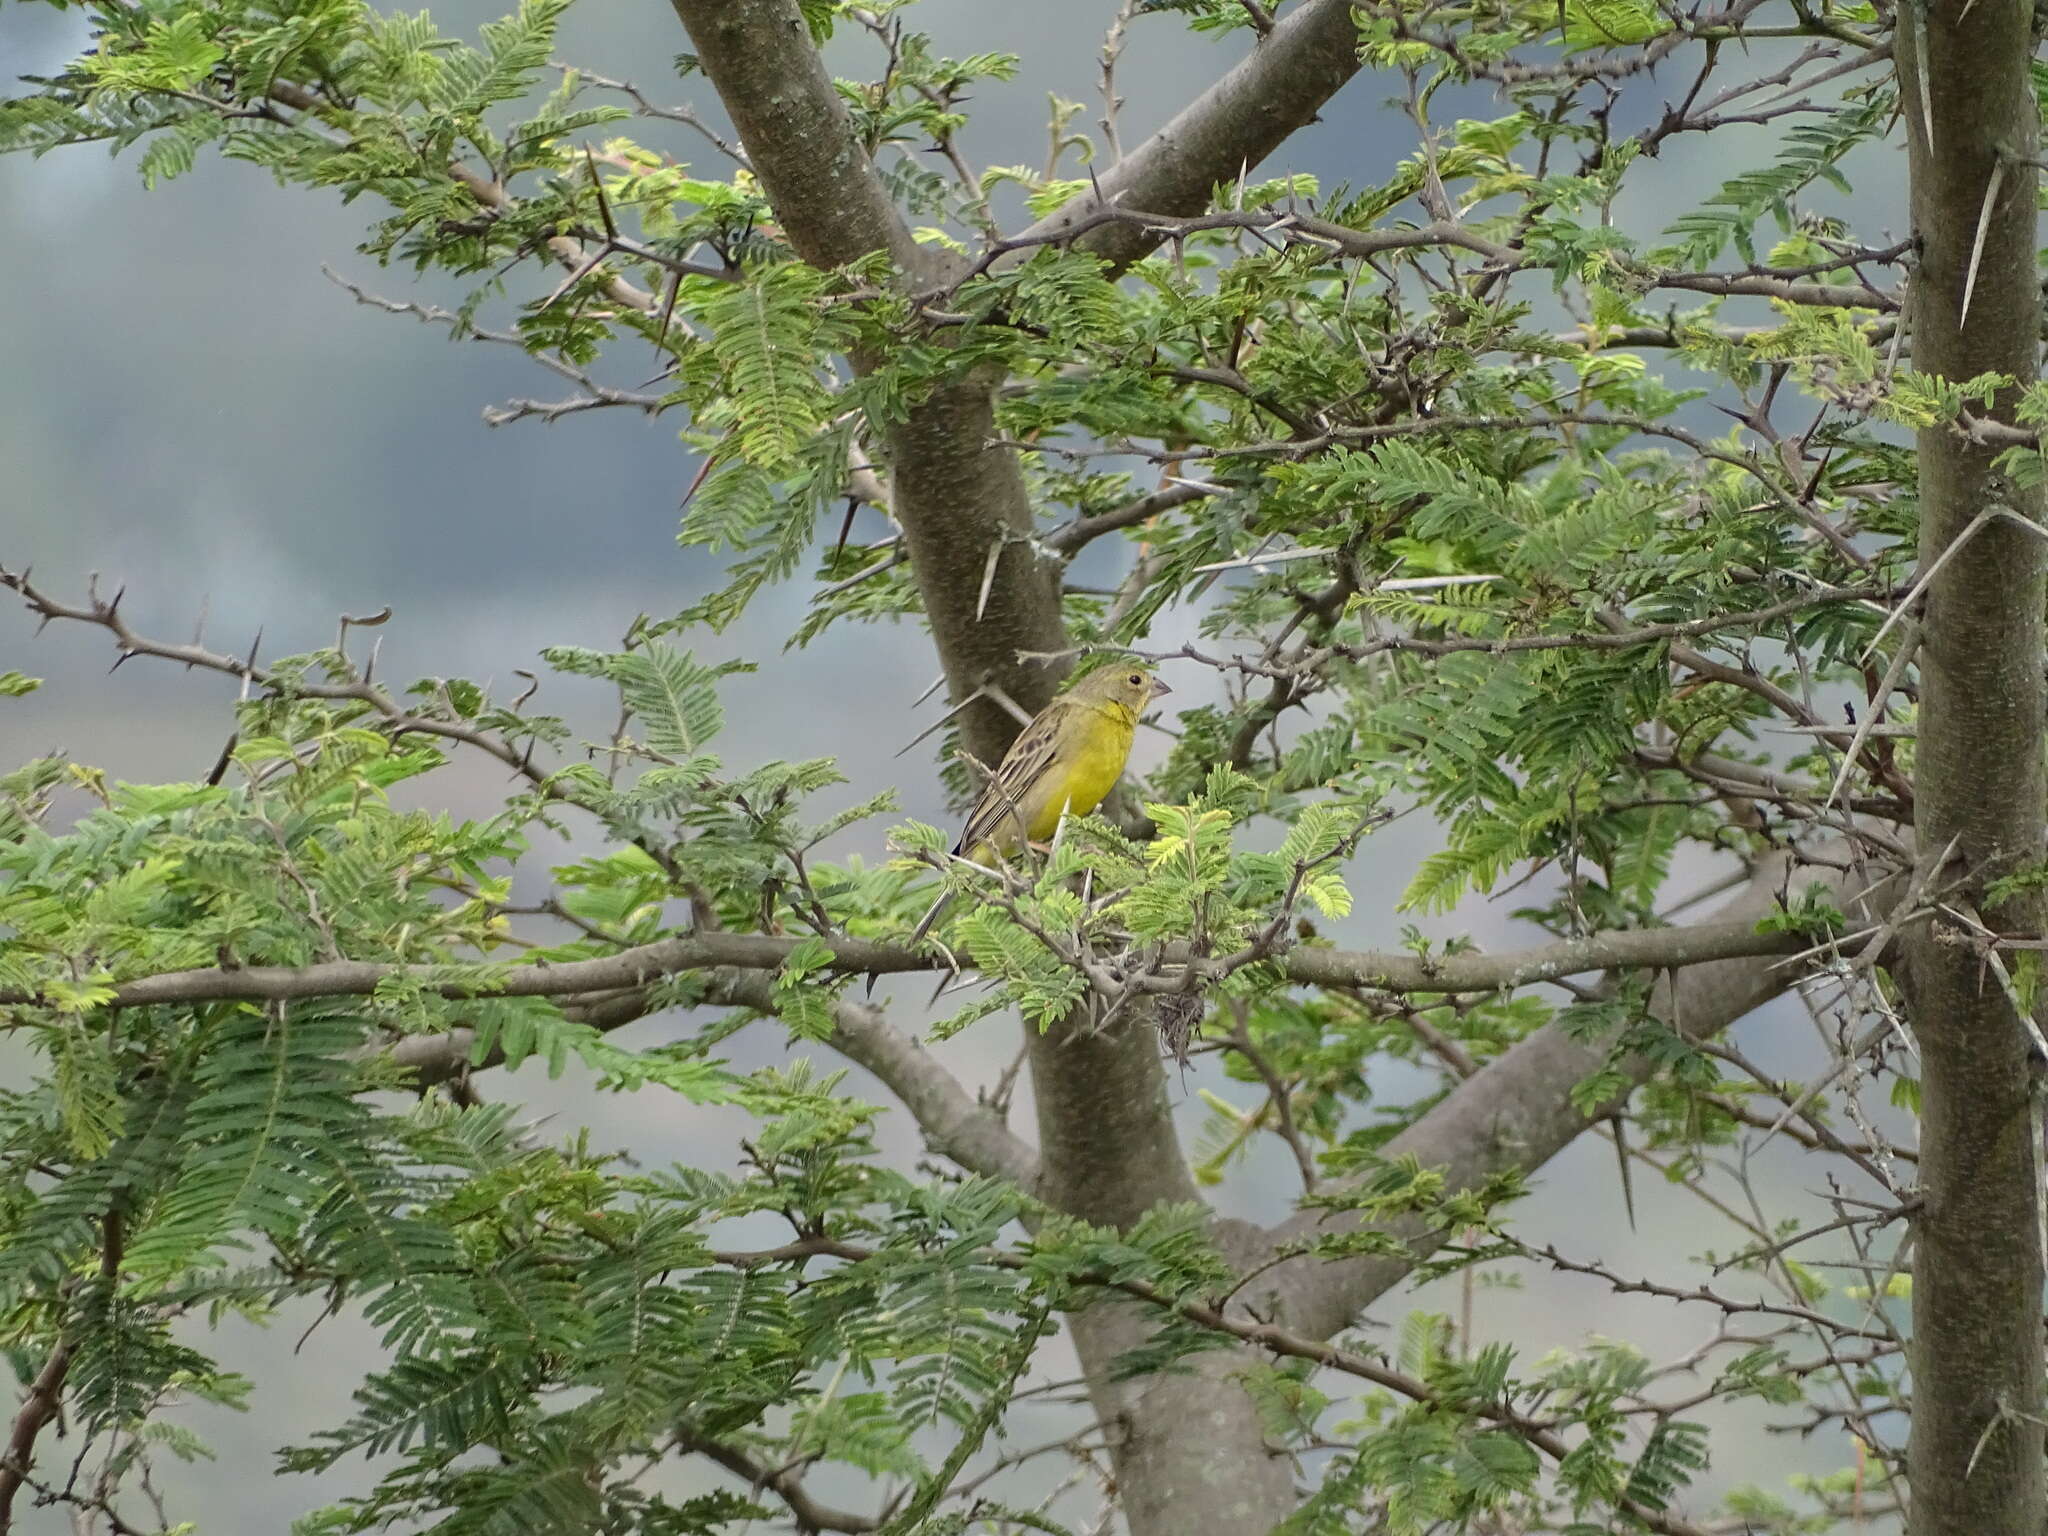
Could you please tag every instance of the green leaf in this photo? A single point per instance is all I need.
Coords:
(671, 696)
(88, 1088)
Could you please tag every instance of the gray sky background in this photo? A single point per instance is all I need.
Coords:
(190, 408)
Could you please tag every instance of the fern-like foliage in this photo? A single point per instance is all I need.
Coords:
(1512, 555)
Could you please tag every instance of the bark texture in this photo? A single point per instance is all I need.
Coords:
(1189, 1453)
(1974, 1457)
(759, 58)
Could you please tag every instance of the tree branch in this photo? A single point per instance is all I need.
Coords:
(1071, 538)
(955, 1123)
(645, 964)
(1518, 1111)
(1231, 127)
(1266, 1336)
(45, 1395)
(397, 719)
(1619, 949)
(37, 1409)
(784, 1483)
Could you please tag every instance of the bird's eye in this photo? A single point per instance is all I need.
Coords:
(1135, 679)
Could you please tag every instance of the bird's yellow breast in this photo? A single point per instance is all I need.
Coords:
(1078, 780)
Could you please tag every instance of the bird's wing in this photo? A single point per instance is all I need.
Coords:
(1006, 804)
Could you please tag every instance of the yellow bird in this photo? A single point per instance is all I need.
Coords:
(1064, 763)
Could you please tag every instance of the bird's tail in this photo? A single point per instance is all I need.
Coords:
(932, 915)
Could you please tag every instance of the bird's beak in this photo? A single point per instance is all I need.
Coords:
(1159, 687)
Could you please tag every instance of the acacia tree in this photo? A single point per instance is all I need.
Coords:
(1419, 456)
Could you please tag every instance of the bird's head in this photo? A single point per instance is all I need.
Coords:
(1123, 686)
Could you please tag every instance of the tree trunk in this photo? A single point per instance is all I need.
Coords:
(1187, 1449)
(1189, 1453)
(1974, 1457)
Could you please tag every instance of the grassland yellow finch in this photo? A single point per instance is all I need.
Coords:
(1064, 762)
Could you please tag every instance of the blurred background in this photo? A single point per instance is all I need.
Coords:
(190, 408)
